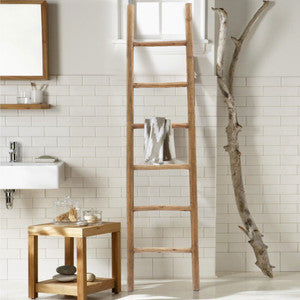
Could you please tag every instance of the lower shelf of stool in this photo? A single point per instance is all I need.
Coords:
(70, 288)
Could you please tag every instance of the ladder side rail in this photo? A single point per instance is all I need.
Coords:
(192, 145)
(130, 147)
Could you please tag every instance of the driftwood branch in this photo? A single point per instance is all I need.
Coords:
(239, 42)
(232, 130)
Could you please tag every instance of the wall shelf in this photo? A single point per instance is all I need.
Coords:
(25, 106)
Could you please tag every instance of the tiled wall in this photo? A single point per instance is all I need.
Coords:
(269, 110)
(86, 129)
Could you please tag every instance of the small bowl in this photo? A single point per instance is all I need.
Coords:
(92, 216)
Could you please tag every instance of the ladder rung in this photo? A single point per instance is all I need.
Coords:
(159, 84)
(162, 167)
(159, 43)
(162, 249)
(174, 125)
(162, 207)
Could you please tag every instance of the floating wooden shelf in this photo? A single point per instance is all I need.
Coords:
(25, 106)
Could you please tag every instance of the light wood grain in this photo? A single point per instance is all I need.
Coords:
(159, 44)
(25, 106)
(100, 284)
(162, 207)
(80, 288)
(105, 227)
(130, 147)
(81, 269)
(51, 229)
(32, 266)
(159, 84)
(116, 260)
(21, 2)
(69, 251)
(70, 288)
(191, 166)
(192, 144)
(174, 125)
(45, 41)
(60, 288)
(162, 250)
(162, 167)
(44, 22)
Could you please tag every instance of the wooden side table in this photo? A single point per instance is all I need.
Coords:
(81, 288)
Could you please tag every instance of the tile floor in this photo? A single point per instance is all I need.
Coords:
(242, 286)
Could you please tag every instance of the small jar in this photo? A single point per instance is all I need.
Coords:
(92, 216)
(66, 211)
(24, 97)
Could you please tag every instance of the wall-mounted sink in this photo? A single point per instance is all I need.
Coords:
(18, 175)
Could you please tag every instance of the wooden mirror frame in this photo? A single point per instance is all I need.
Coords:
(43, 4)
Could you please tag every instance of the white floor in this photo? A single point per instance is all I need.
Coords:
(230, 286)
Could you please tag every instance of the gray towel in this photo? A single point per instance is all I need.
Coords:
(159, 140)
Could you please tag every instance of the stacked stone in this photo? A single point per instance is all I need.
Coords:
(66, 273)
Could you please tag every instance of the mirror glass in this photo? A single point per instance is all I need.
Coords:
(23, 43)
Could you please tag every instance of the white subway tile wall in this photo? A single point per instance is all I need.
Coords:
(269, 110)
(86, 128)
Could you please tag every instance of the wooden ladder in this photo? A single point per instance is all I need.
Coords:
(191, 166)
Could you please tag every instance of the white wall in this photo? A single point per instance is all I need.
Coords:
(81, 35)
(86, 129)
(273, 48)
(83, 41)
(267, 90)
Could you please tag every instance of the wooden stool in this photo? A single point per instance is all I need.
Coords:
(81, 288)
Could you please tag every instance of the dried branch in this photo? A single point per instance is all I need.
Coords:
(239, 42)
(232, 130)
(221, 51)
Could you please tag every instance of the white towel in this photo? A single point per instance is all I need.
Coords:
(159, 140)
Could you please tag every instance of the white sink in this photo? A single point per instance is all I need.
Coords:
(18, 175)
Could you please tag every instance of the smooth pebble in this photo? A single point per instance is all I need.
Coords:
(66, 270)
(64, 278)
(90, 277)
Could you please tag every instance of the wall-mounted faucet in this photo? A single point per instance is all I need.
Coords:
(13, 151)
(9, 198)
(13, 157)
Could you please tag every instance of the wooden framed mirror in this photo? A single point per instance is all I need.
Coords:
(23, 39)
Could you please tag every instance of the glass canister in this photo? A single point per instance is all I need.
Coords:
(92, 216)
(24, 97)
(66, 211)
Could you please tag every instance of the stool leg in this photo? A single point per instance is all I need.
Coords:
(116, 260)
(32, 266)
(81, 268)
(69, 251)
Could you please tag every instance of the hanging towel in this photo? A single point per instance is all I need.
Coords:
(159, 140)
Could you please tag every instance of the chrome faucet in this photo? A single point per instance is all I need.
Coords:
(13, 151)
